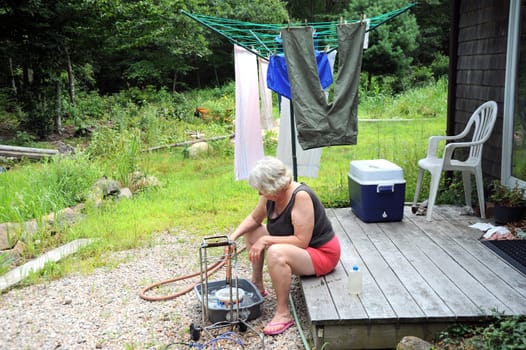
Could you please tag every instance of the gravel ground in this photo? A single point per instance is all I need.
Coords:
(104, 310)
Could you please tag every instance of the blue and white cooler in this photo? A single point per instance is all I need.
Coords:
(376, 190)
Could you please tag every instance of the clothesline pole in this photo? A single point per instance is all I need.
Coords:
(293, 143)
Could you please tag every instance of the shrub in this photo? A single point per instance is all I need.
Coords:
(505, 196)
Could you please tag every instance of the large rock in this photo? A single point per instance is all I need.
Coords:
(108, 187)
(66, 216)
(125, 193)
(137, 181)
(102, 189)
(10, 232)
(413, 343)
(197, 149)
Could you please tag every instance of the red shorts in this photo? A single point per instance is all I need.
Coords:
(325, 257)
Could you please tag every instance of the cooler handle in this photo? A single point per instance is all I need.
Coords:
(385, 188)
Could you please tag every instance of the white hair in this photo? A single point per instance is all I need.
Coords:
(269, 176)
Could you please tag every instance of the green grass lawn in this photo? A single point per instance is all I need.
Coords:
(200, 196)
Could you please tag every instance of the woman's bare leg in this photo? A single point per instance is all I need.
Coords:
(257, 265)
(283, 260)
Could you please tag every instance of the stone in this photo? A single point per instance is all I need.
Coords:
(413, 343)
(197, 149)
(64, 148)
(109, 187)
(10, 232)
(125, 193)
(138, 181)
(65, 216)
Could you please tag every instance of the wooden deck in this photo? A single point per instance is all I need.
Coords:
(419, 277)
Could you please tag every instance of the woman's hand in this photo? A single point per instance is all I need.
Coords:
(257, 249)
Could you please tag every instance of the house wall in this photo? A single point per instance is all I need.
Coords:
(480, 69)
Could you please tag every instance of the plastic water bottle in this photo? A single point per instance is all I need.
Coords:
(355, 280)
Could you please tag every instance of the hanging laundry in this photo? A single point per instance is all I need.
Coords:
(320, 123)
(307, 161)
(278, 76)
(248, 140)
(265, 96)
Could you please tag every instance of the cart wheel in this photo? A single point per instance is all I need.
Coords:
(195, 332)
(242, 327)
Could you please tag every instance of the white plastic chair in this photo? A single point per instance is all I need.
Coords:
(482, 122)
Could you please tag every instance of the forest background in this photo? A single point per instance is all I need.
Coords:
(56, 54)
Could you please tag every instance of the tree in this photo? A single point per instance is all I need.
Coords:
(144, 43)
(32, 38)
(257, 11)
(316, 10)
(432, 17)
(393, 43)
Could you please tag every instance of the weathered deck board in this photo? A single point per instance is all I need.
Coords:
(419, 277)
(500, 296)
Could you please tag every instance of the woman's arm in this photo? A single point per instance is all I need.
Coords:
(252, 221)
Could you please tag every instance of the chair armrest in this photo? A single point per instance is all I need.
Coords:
(451, 147)
(432, 146)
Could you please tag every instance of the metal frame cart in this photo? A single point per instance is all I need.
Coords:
(226, 303)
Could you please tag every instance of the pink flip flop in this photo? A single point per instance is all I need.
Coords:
(264, 293)
(277, 327)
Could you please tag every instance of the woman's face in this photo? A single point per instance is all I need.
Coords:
(274, 197)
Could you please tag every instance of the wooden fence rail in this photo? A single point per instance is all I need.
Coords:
(26, 152)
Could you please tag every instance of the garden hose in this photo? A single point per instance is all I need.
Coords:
(210, 270)
(298, 324)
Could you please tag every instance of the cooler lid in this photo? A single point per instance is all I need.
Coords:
(375, 170)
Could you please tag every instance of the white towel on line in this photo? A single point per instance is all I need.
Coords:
(308, 162)
(265, 96)
(248, 139)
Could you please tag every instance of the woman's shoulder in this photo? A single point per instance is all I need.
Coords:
(301, 186)
(303, 191)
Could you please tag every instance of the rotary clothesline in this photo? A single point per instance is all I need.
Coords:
(264, 39)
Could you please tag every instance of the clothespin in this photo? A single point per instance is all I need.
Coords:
(362, 19)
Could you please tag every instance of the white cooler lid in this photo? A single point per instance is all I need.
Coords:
(376, 170)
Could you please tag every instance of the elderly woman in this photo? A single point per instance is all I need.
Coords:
(298, 237)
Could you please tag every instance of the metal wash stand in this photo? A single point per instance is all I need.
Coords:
(227, 303)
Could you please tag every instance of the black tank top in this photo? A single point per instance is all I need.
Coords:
(282, 224)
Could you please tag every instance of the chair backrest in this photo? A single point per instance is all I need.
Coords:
(484, 119)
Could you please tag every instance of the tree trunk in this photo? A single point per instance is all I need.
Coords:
(58, 109)
(13, 82)
(198, 79)
(173, 82)
(27, 77)
(71, 78)
(215, 71)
